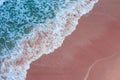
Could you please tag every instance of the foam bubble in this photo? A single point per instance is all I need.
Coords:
(1, 2)
(44, 39)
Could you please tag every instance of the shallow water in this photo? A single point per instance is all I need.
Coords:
(17, 18)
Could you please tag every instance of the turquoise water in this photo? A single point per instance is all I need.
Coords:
(17, 18)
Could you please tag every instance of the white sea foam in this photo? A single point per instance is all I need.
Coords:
(1, 2)
(43, 40)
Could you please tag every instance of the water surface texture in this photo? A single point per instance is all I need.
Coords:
(17, 18)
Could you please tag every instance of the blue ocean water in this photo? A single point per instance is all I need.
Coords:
(17, 18)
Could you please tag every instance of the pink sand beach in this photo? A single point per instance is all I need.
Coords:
(92, 52)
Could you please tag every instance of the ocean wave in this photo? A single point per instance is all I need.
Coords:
(43, 39)
(19, 17)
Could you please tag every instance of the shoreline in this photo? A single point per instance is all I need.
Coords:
(96, 37)
(43, 42)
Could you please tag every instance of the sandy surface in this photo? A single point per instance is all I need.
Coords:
(92, 52)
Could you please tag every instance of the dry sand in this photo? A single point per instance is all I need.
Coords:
(92, 51)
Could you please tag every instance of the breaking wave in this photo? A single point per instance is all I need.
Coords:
(31, 28)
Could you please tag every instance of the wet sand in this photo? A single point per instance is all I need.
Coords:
(92, 51)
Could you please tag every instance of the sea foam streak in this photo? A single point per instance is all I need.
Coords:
(43, 40)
